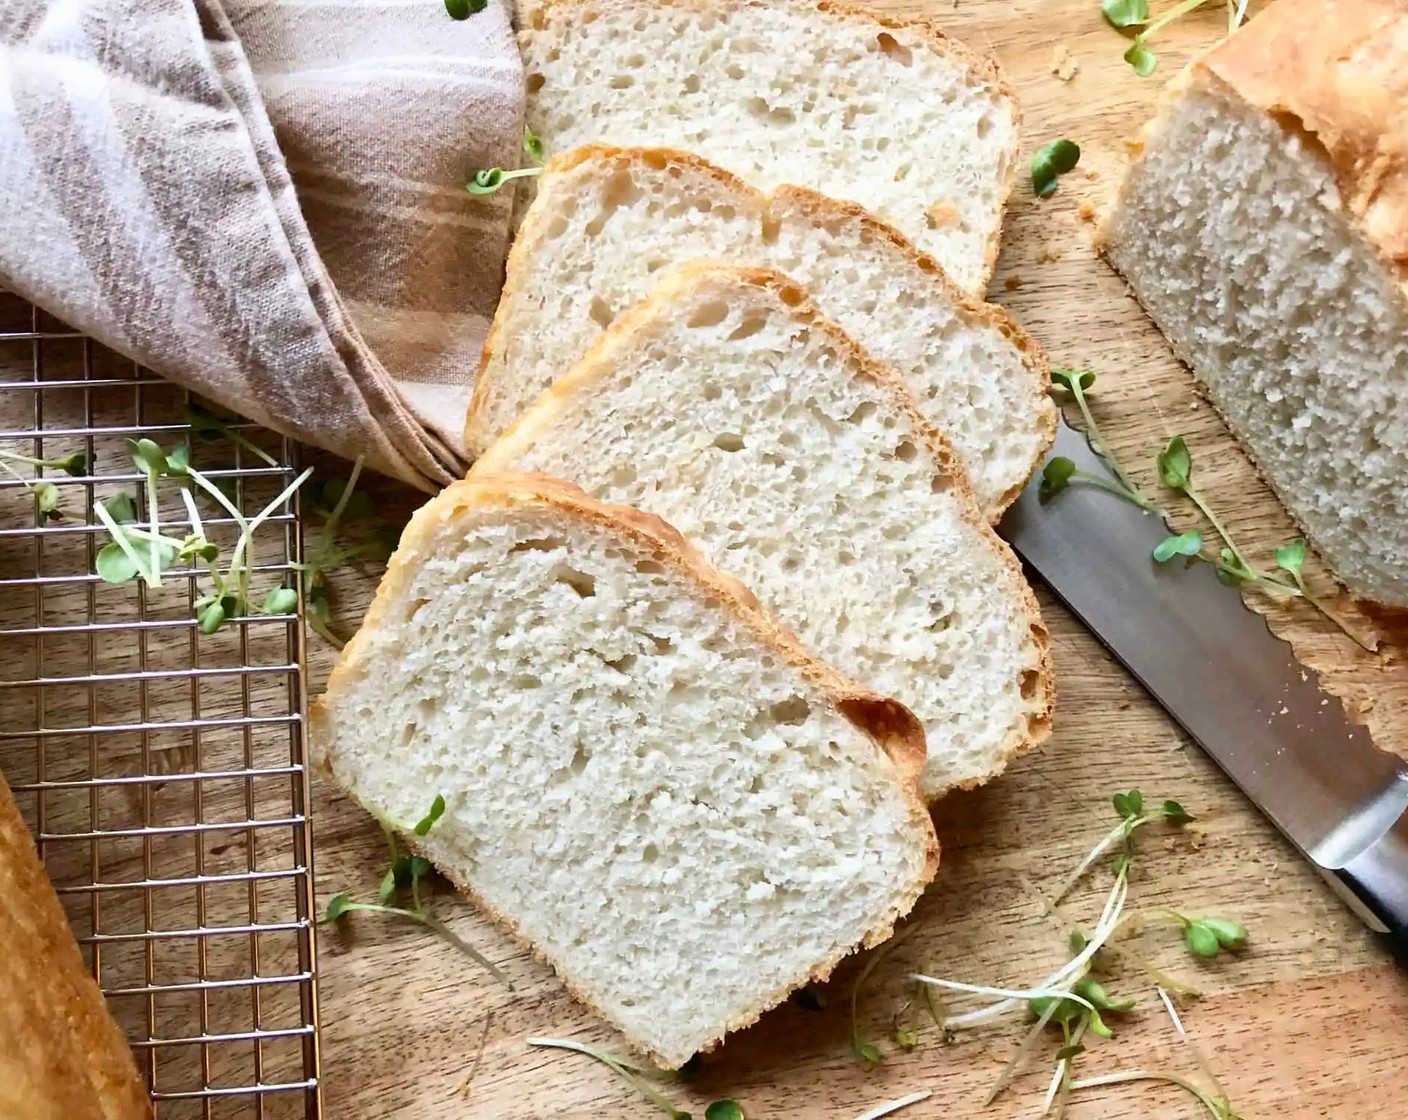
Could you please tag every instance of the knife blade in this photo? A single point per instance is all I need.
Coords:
(1232, 685)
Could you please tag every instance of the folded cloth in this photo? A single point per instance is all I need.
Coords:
(265, 201)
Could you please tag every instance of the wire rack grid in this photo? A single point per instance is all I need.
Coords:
(161, 769)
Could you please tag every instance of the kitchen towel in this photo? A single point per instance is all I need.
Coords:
(264, 200)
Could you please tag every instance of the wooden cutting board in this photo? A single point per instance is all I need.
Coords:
(1309, 1022)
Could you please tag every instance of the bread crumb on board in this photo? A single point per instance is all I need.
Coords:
(1134, 146)
(1087, 211)
(1012, 283)
(1048, 254)
(1062, 64)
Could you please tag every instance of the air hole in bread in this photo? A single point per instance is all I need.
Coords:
(1031, 681)
(580, 757)
(582, 583)
(654, 265)
(539, 544)
(729, 441)
(712, 392)
(862, 411)
(621, 81)
(601, 314)
(791, 295)
(943, 619)
(941, 484)
(525, 682)
(734, 71)
(709, 314)
(535, 82)
(661, 642)
(906, 452)
(623, 663)
(751, 323)
(772, 459)
(650, 854)
(415, 608)
(794, 710)
(650, 567)
(891, 47)
(984, 127)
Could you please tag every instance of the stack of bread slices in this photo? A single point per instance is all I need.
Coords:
(724, 565)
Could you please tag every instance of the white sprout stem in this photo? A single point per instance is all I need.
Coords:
(1198, 1054)
(1237, 13)
(1051, 1090)
(1013, 994)
(589, 1051)
(244, 547)
(1014, 1067)
(1114, 835)
(1056, 984)
(197, 525)
(1127, 1076)
(119, 536)
(154, 513)
(896, 1105)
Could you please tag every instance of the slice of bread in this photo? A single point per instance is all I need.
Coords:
(644, 777)
(881, 110)
(795, 462)
(1264, 230)
(606, 221)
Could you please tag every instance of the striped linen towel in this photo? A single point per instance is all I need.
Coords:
(264, 200)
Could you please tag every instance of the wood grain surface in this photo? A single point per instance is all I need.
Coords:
(1308, 1022)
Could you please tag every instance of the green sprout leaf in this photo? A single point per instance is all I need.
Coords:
(906, 1038)
(1052, 161)
(1200, 940)
(281, 600)
(1175, 813)
(76, 465)
(1184, 544)
(121, 507)
(48, 497)
(1128, 805)
(1068, 1053)
(1098, 1026)
(1230, 935)
(1176, 465)
(114, 565)
(1230, 570)
(147, 456)
(490, 179)
(338, 905)
(724, 1110)
(420, 867)
(1141, 58)
(1065, 1013)
(1126, 13)
(359, 503)
(532, 145)
(463, 9)
(1072, 379)
(865, 1051)
(427, 822)
(387, 891)
(1094, 993)
(1290, 556)
(212, 616)
(1056, 475)
(196, 547)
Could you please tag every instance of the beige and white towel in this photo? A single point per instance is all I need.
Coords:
(265, 201)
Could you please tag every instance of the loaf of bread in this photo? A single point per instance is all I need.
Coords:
(798, 464)
(606, 222)
(61, 1055)
(881, 110)
(644, 777)
(1265, 230)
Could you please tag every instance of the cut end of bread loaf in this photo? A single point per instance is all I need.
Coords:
(644, 778)
(1233, 232)
(727, 405)
(607, 223)
(881, 110)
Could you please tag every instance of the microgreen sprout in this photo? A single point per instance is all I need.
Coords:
(905, 1036)
(490, 179)
(633, 1075)
(1077, 383)
(463, 9)
(47, 496)
(895, 1105)
(1206, 937)
(1051, 162)
(1125, 14)
(532, 146)
(868, 1051)
(405, 873)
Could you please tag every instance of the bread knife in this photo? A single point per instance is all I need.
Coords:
(1233, 686)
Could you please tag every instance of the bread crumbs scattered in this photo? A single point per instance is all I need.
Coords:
(1047, 255)
(1062, 64)
(1087, 211)
(1135, 147)
(1012, 283)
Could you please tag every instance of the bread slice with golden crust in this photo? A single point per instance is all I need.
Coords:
(883, 110)
(61, 1055)
(794, 461)
(645, 777)
(607, 221)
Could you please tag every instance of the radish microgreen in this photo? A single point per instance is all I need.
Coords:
(1077, 383)
(632, 1074)
(895, 1105)
(47, 496)
(1125, 14)
(867, 1051)
(1051, 162)
(490, 179)
(463, 9)
(404, 874)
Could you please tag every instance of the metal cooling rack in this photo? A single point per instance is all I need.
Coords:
(160, 769)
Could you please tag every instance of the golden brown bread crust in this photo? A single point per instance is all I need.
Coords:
(61, 1055)
(1039, 686)
(887, 722)
(812, 206)
(1335, 71)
